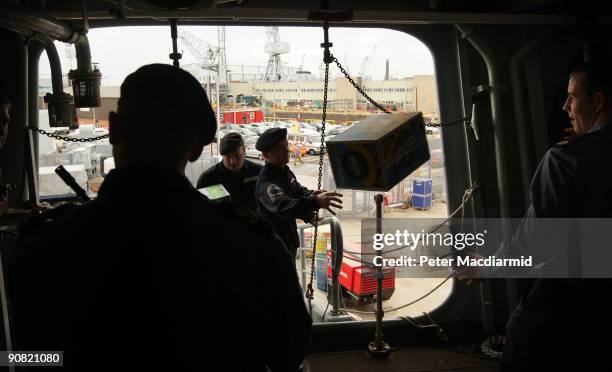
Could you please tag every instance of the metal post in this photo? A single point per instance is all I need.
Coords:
(496, 116)
(31, 167)
(519, 109)
(218, 111)
(378, 348)
(336, 315)
(175, 55)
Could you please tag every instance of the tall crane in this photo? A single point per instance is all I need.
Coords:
(204, 53)
(367, 62)
(221, 60)
(274, 47)
(211, 58)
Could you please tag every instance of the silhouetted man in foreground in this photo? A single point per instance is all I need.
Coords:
(151, 275)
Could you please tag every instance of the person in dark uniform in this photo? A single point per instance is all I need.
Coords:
(234, 172)
(5, 119)
(280, 197)
(547, 330)
(152, 275)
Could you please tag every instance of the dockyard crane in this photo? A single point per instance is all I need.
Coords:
(274, 47)
(204, 53)
(367, 62)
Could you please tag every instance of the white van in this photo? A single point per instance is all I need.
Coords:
(310, 141)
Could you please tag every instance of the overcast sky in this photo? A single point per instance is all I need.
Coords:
(122, 50)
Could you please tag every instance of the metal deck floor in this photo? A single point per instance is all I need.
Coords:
(403, 360)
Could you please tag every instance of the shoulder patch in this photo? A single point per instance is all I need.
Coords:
(275, 193)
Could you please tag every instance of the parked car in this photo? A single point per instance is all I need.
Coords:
(255, 131)
(308, 126)
(250, 140)
(252, 152)
(222, 133)
(432, 130)
(334, 131)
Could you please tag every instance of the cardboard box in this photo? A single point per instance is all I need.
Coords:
(379, 151)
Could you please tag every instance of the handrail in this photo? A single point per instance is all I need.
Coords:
(337, 250)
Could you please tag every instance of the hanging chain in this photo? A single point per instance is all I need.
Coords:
(465, 119)
(310, 292)
(381, 108)
(327, 59)
(48, 134)
(358, 88)
(67, 139)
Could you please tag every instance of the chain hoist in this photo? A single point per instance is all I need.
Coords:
(67, 139)
(51, 135)
(327, 59)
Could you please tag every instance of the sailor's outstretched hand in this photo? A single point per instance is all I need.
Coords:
(328, 199)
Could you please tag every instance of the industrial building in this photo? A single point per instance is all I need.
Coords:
(416, 93)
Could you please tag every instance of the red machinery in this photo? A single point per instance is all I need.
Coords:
(359, 280)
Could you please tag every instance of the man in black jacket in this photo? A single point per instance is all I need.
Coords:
(280, 197)
(234, 172)
(151, 275)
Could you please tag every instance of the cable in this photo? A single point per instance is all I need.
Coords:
(467, 194)
(410, 303)
(488, 347)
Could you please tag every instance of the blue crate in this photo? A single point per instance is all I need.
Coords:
(421, 201)
(421, 186)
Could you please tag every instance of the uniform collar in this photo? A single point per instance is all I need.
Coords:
(277, 168)
(599, 127)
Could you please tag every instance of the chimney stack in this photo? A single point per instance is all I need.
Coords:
(387, 70)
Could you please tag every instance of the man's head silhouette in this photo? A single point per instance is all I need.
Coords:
(163, 119)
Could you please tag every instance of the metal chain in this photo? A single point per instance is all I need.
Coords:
(67, 139)
(48, 134)
(310, 291)
(348, 77)
(467, 195)
(466, 119)
(381, 108)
